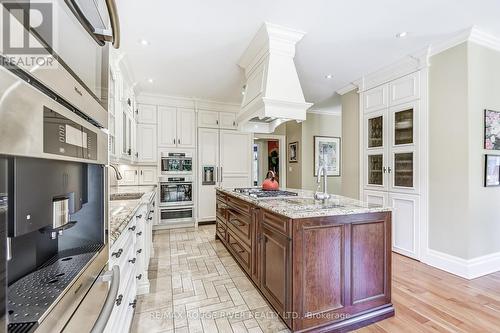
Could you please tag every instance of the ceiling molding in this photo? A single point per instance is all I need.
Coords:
(344, 90)
(326, 112)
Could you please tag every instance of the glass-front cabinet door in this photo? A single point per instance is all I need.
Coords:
(375, 130)
(403, 174)
(375, 177)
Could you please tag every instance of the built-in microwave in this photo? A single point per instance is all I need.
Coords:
(175, 163)
(73, 35)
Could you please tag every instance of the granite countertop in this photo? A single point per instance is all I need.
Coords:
(304, 206)
(122, 210)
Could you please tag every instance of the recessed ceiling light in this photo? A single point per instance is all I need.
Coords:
(402, 34)
(150, 80)
(328, 76)
(144, 42)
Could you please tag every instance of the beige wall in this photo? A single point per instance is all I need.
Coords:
(350, 144)
(463, 214)
(318, 124)
(484, 93)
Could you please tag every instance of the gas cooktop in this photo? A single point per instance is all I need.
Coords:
(256, 192)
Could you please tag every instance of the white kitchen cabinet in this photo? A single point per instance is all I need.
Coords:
(214, 119)
(146, 143)
(405, 89)
(405, 223)
(208, 119)
(375, 98)
(227, 120)
(130, 175)
(148, 175)
(391, 141)
(186, 128)
(176, 127)
(167, 126)
(223, 160)
(146, 114)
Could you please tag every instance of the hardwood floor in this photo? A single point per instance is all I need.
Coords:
(430, 300)
(191, 273)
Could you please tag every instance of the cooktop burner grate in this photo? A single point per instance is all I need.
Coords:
(31, 296)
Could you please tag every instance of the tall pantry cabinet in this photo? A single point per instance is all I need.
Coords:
(224, 159)
(391, 155)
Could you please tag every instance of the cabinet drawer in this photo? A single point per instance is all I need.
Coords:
(280, 224)
(221, 229)
(238, 204)
(221, 210)
(239, 249)
(240, 225)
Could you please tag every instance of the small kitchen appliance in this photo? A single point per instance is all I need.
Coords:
(270, 183)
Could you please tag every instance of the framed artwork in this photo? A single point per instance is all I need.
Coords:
(492, 170)
(327, 151)
(293, 152)
(491, 130)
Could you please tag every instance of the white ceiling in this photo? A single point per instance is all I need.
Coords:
(195, 44)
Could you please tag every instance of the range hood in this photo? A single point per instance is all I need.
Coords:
(272, 93)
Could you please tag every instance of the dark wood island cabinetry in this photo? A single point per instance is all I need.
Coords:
(327, 273)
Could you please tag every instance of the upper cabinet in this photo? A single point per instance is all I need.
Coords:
(375, 99)
(176, 127)
(146, 143)
(146, 114)
(214, 119)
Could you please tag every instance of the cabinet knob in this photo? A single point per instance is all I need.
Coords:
(117, 253)
(132, 228)
(133, 304)
(132, 260)
(139, 251)
(139, 233)
(389, 169)
(139, 216)
(138, 277)
(150, 218)
(174, 141)
(178, 141)
(217, 122)
(119, 300)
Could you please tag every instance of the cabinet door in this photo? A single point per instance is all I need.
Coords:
(147, 176)
(130, 175)
(186, 128)
(404, 89)
(209, 119)
(375, 130)
(146, 114)
(405, 223)
(208, 160)
(167, 126)
(227, 120)
(404, 124)
(235, 158)
(375, 170)
(375, 98)
(146, 143)
(275, 271)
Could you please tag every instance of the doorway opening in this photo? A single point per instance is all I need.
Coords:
(268, 155)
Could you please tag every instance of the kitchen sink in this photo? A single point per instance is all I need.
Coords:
(126, 196)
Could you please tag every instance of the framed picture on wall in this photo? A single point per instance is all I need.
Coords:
(293, 152)
(491, 130)
(492, 170)
(327, 151)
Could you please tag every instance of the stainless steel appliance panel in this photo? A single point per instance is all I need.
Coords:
(175, 191)
(22, 109)
(176, 163)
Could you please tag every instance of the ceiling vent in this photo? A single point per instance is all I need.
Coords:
(272, 92)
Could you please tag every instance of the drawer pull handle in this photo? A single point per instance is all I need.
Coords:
(132, 228)
(150, 218)
(133, 304)
(138, 277)
(139, 251)
(119, 300)
(132, 260)
(139, 233)
(152, 211)
(117, 253)
(139, 216)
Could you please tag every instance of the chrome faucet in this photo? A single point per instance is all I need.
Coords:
(117, 172)
(322, 195)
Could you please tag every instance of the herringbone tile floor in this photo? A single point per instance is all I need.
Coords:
(196, 286)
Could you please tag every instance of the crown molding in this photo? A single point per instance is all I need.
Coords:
(344, 90)
(336, 113)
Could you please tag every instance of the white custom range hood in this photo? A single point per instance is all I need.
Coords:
(272, 93)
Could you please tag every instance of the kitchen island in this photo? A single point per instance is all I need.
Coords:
(323, 266)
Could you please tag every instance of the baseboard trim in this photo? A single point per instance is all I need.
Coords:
(466, 268)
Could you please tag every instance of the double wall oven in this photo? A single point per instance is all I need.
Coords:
(53, 167)
(176, 188)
